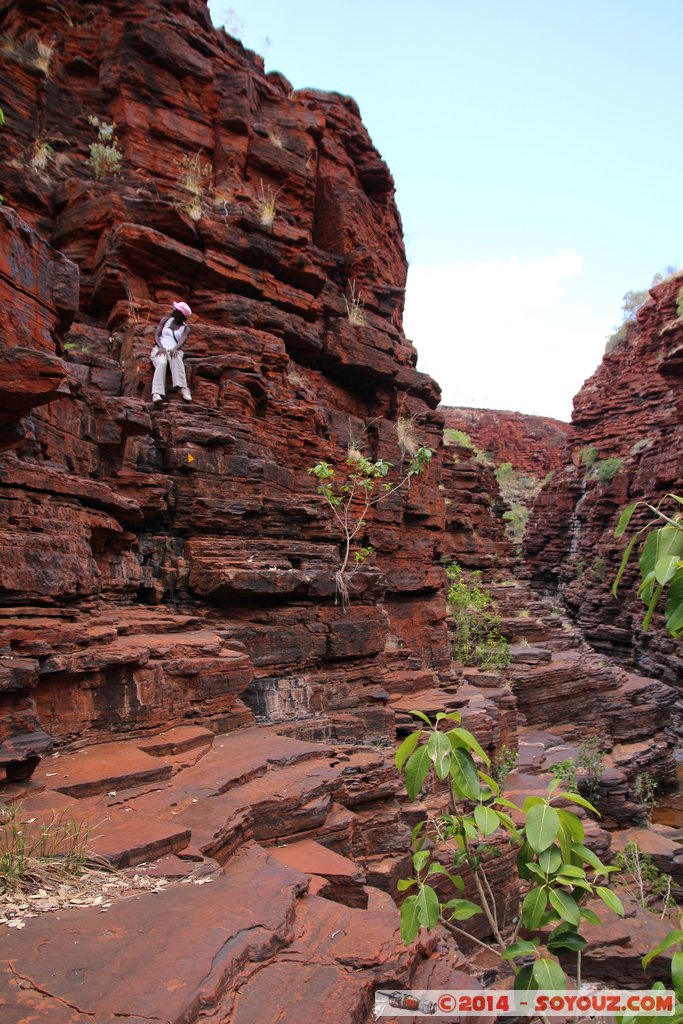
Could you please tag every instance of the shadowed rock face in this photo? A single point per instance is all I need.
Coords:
(533, 444)
(631, 409)
(127, 526)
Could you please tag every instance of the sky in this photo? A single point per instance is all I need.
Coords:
(537, 150)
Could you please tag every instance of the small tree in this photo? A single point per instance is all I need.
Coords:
(661, 560)
(366, 485)
(559, 871)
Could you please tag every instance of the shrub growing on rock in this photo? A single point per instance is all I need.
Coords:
(557, 870)
(105, 156)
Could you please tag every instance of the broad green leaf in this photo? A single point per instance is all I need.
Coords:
(463, 910)
(571, 871)
(566, 940)
(588, 856)
(554, 785)
(421, 714)
(487, 820)
(677, 973)
(520, 948)
(439, 869)
(673, 608)
(542, 826)
(625, 519)
(533, 908)
(523, 858)
(589, 915)
(610, 899)
(416, 832)
(565, 905)
(532, 801)
(417, 769)
(491, 783)
(624, 562)
(549, 975)
(405, 883)
(462, 738)
(536, 870)
(420, 859)
(550, 860)
(573, 824)
(656, 594)
(665, 567)
(439, 750)
(428, 907)
(674, 936)
(450, 716)
(410, 922)
(502, 801)
(577, 883)
(464, 775)
(525, 981)
(509, 825)
(406, 748)
(581, 801)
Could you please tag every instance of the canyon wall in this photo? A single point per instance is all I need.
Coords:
(168, 563)
(625, 444)
(533, 444)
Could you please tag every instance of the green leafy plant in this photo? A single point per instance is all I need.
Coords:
(565, 771)
(591, 763)
(459, 437)
(366, 484)
(607, 469)
(477, 639)
(643, 882)
(504, 763)
(661, 560)
(588, 455)
(557, 870)
(105, 156)
(645, 792)
(519, 490)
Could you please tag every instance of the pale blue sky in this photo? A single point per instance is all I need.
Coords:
(537, 149)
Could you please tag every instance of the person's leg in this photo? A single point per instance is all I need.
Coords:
(159, 381)
(178, 375)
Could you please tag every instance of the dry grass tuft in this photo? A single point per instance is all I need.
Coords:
(406, 432)
(266, 205)
(355, 307)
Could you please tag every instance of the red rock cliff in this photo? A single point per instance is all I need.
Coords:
(174, 563)
(631, 410)
(533, 444)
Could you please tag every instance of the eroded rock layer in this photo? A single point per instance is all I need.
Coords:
(533, 444)
(626, 444)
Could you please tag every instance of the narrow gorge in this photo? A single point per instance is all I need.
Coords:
(178, 670)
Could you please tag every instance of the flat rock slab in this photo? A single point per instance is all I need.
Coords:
(176, 741)
(161, 957)
(239, 757)
(99, 769)
(125, 839)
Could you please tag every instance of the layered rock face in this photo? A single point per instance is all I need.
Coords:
(175, 562)
(533, 444)
(630, 412)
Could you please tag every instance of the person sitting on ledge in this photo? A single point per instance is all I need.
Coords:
(170, 336)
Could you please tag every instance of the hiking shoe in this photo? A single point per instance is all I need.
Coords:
(156, 398)
(186, 394)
